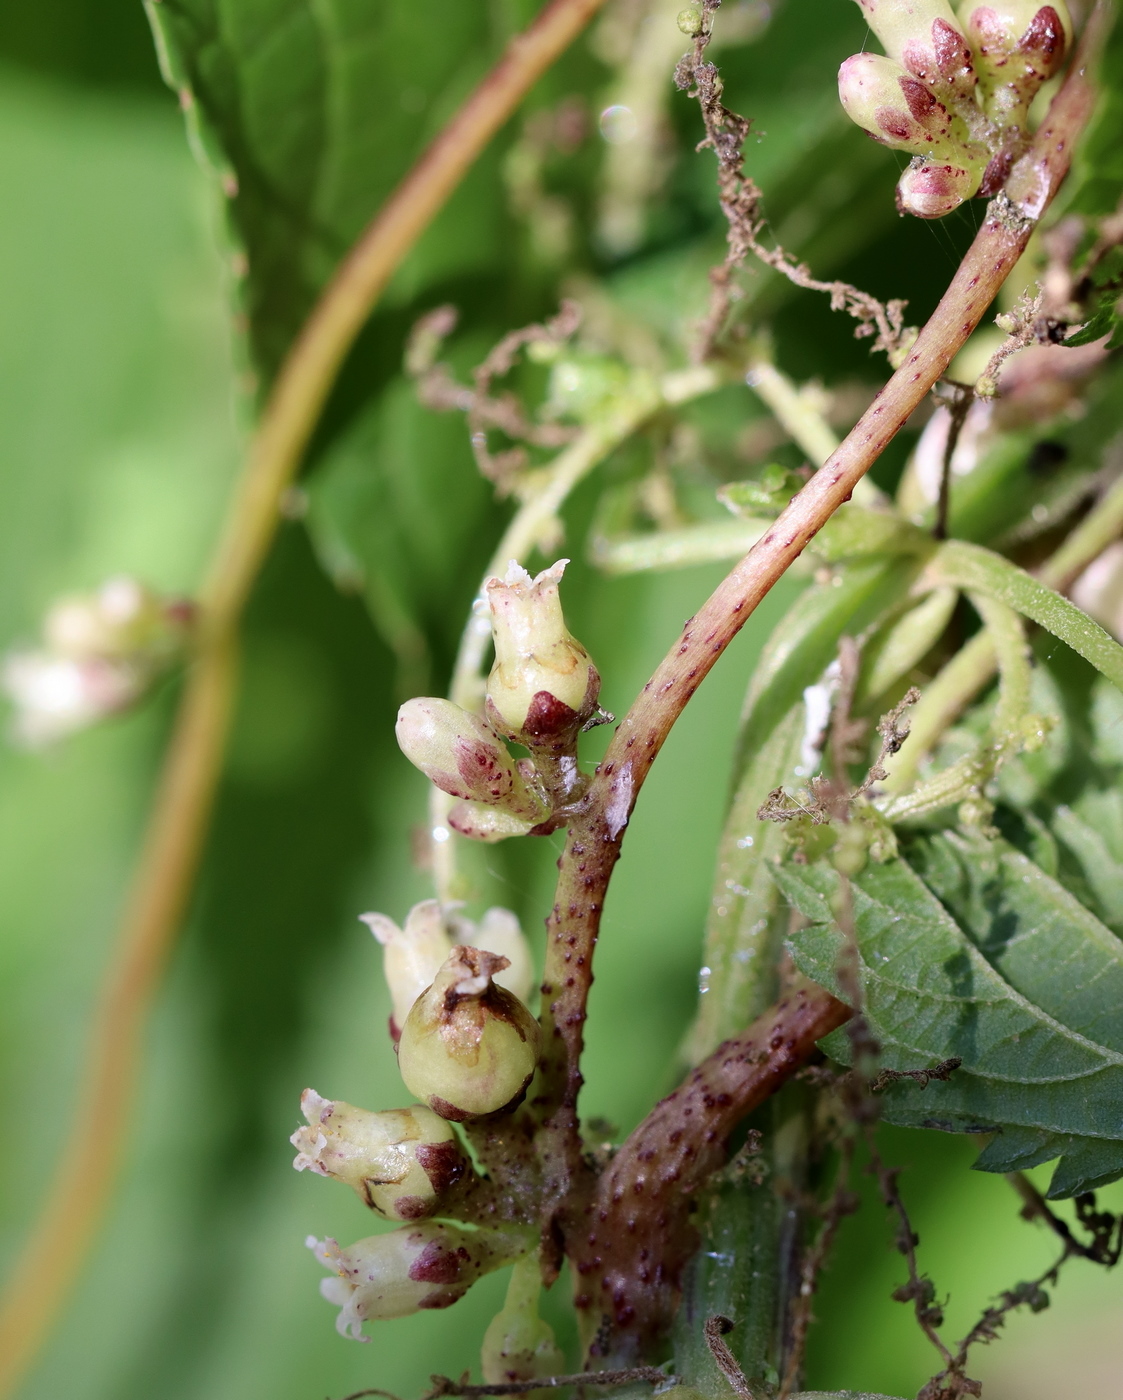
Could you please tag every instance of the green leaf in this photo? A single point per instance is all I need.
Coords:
(931, 994)
(309, 113)
(1102, 872)
(1030, 928)
(970, 566)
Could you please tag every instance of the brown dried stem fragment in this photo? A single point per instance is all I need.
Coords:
(741, 204)
(714, 1329)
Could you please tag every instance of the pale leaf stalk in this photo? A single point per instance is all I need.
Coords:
(973, 667)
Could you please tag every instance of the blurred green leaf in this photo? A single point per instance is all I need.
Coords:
(309, 114)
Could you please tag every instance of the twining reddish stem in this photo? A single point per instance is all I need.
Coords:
(636, 1235)
(57, 1245)
(596, 833)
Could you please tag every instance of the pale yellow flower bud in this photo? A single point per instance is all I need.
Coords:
(402, 1161)
(462, 754)
(543, 685)
(429, 1265)
(518, 1345)
(468, 1046)
(411, 955)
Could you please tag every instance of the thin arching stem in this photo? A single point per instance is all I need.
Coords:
(60, 1239)
(595, 835)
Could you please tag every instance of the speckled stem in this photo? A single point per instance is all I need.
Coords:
(596, 832)
(636, 1236)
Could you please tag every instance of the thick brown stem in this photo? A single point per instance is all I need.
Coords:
(636, 1235)
(596, 832)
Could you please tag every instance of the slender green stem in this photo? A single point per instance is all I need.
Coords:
(1099, 528)
(797, 411)
(59, 1239)
(973, 667)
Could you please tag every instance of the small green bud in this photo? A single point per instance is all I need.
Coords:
(412, 955)
(462, 754)
(851, 850)
(469, 1047)
(401, 1162)
(1018, 44)
(690, 20)
(518, 1345)
(543, 686)
(429, 1265)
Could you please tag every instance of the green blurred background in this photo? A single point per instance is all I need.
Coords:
(125, 390)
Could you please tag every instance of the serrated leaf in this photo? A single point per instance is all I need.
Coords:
(1030, 928)
(310, 113)
(931, 994)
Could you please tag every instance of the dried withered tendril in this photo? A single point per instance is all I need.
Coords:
(741, 204)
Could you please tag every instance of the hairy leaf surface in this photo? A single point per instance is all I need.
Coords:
(932, 994)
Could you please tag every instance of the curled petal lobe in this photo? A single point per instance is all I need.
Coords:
(469, 1047)
(410, 955)
(543, 683)
(429, 1265)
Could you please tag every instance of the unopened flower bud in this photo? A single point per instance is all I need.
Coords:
(1018, 45)
(401, 1162)
(121, 620)
(429, 1265)
(500, 932)
(468, 1047)
(543, 686)
(924, 36)
(895, 108)
(411, 956)
(931, 189)
(462, 754)
(54, 696)
(518, 1345)
(101, 652)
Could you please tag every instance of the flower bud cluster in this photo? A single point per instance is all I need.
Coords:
(468, 1047)
(429, 1265)
(542, 690)
(99, 653)
(953, 92)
